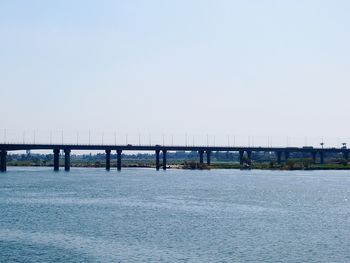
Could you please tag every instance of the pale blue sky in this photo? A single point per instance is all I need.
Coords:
(259, 68)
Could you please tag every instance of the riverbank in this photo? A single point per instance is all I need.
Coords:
(268, 166)
(198, 166)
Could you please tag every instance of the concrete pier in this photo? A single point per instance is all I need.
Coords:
(321, 157)
(157, 160)
(164, 160)
(67, 160)
(208, 157)
(3, 165)
(346, 156)
(249, 156)
(108, 160)
(119, 160)
(286, 156)
(201, 156)
(241, 154)
(279, 157)
(56, 159)
(313, 156)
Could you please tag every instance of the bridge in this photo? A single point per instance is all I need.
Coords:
(245, 153)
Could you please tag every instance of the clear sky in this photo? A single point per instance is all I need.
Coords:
(257, 68)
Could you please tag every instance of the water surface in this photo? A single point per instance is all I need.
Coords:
(140, 215)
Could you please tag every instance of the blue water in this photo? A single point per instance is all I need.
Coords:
(140, 215)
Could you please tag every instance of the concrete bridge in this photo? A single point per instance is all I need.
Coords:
(245, 153)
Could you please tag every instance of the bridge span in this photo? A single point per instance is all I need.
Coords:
(245, 153)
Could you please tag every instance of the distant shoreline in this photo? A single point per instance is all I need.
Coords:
(206, 167)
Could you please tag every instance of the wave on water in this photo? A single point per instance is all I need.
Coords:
(194, 206)
(99, 250)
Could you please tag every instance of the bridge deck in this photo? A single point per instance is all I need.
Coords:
(16, 147)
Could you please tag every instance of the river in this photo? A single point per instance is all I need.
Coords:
(141, 215)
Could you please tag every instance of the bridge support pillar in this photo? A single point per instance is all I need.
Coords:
(279, 157)
(208, 157)
(201, 156)
(286, 155)
(67, 160)
(3, 165)
(119, 160)
(346, 156)
(313, 156)
(108, 160)
(157, 160)
(164, 160)
(56, 159)
(241, 153)
(249, 156)
(321, 157)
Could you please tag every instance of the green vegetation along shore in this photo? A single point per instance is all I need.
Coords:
(181, 160)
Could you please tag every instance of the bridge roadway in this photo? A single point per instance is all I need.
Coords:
(67, 148)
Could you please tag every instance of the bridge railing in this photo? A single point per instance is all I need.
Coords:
(119, 138)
